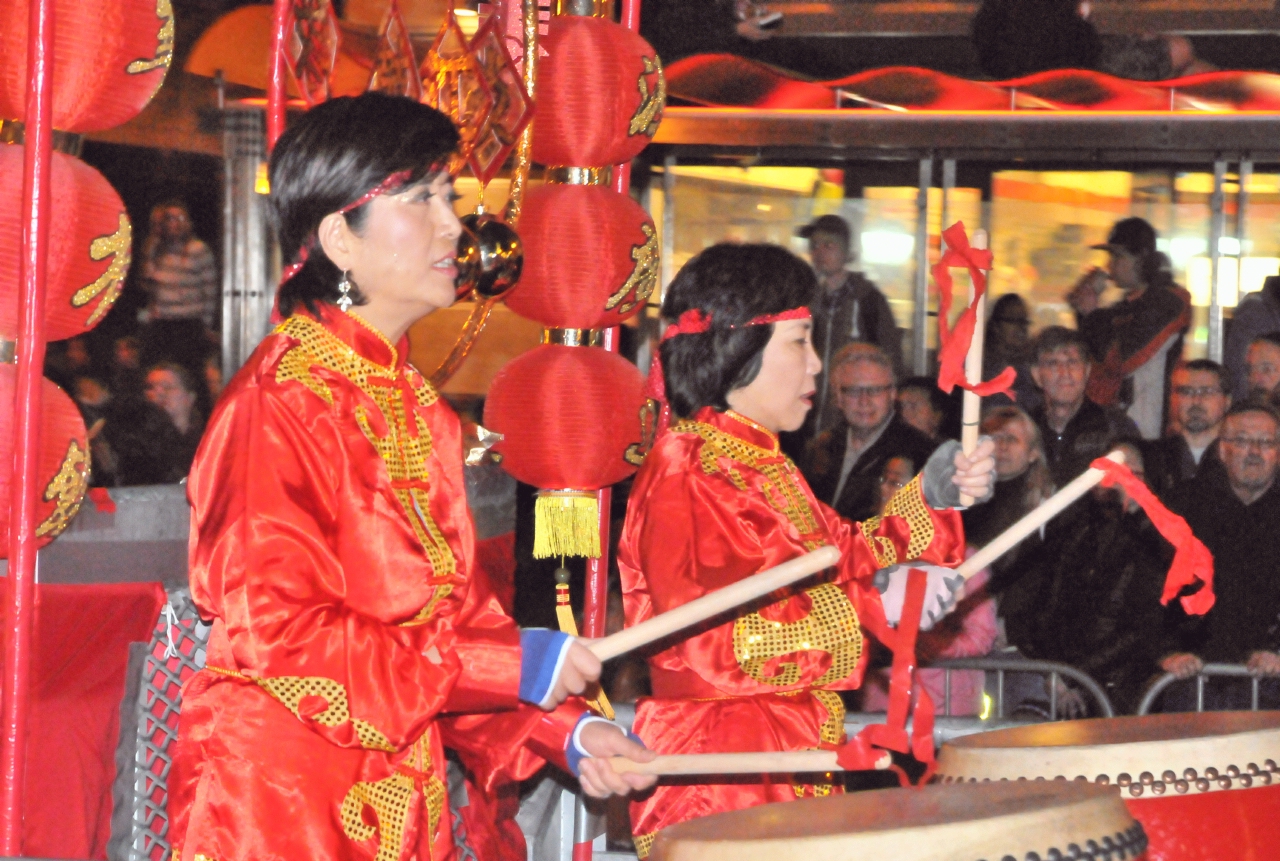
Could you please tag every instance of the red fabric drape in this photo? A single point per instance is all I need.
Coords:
(954, 344)
(81, 651)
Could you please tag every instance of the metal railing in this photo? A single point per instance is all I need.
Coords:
(1001, 666)
(1235, 671)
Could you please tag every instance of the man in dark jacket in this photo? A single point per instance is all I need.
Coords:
(851, 309)
(1198, 404)
(1235, 512)
(843, 464)
(1075, 429)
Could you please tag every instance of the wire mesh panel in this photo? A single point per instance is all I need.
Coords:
(176, 652)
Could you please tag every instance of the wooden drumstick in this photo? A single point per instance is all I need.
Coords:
(972, 404)
(763, 762)
(1042, 514)
(715, 603)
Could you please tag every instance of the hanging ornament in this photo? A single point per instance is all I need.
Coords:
(601, 93)
(567, 415)
(453, 84)
(591, 257)
(109, 58)
(395, 69)
(63, 472)
(512, 109)
(311, 48)
(90, 240)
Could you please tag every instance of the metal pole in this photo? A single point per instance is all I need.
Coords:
(1217, 227)
(948, 183)
(276, 84)
(1242, 222)
(920, 316)
(36, 189)
(668, 222)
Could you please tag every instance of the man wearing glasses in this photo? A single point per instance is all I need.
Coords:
(1235, 512)
(1075, 429)
(1198, 405)
(843, 464)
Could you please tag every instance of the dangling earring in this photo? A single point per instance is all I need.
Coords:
(344, 293)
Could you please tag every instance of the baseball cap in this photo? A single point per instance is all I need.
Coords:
(832, 224)
(1133, 235)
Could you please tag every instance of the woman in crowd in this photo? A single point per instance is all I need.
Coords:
(717, 501)
(333, 550)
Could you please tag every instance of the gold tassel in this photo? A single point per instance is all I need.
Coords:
(566, 523)
(599, 703)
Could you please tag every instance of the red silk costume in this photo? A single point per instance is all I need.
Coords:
(717, 501)
(332, 546)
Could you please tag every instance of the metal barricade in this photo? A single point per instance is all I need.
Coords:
(1001, 666)
(1236, 671)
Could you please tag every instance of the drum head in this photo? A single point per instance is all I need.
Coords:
(936, 823)
(1149, 755)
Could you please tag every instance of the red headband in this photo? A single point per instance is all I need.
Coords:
(695, 321)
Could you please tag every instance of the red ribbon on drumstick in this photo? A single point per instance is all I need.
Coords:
(1192, 561)
(954, 344)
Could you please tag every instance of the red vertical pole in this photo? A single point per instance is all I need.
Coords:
(276, 84)
(36, 188)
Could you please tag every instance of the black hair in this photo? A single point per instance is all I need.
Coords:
(1014, 38)
(330, 157)
(1272, 338)
(937, 398)
(1255, 404)
(180, 373)
(1056, 338)
(732, 284)
(1206, 366)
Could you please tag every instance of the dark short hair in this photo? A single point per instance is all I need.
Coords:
(1272, 338)
(928, 385)
(1019, 37)
(180, 373)
(330, 157)
(1255, 404)
(1056, 338)
(732, 284)
(1208, 366)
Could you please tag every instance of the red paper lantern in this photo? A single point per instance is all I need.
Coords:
(90, 240)
(567, 416)
(109, 58)
(63, 460)
(591, 257)
(600, 94)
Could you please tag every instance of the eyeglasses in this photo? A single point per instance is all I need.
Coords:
(886, 481)
(1248, 442)
(1055, 364)
(1196, 391)
(855, 392)
(1013, 321)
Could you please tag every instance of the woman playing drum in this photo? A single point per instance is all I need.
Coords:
(717, 501)
(333, 549)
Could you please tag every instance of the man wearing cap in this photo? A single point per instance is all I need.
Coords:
(1136, 342)
(852, 309)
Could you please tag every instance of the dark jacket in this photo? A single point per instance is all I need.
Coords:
(860, 495)
(854, 311)
(1169, 463)
(1089, 435)
(1245, 543)
(1099, 605)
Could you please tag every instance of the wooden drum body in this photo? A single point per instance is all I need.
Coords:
(987, 822)
(1206, 787)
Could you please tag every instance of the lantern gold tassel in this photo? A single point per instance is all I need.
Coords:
(566, 523)
(596, 698)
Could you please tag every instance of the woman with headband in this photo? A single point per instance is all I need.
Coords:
(333, 549)
(717, 501)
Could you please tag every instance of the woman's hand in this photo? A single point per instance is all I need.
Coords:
(596, 775)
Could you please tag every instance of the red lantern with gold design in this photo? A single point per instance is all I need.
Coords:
(89, 246)
(569, 415)
(591, 257)
(109, 58)
(600, 94)
(64, 459)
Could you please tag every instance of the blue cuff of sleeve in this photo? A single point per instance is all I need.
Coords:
(574, 753)
(542, 654)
